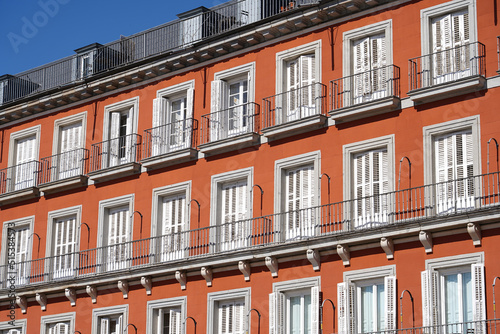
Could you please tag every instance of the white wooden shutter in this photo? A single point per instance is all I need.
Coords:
(159, 322)
(479, 297)
(62, 328)
(118, 225)
(70, 138)
(307, 93)
(159, 111)
(430, 301)
(378, 58)
(21, 245)
(119, 325)
(361, 67)
(112, 152)
(239, 318)
(219, 101)
(292, 93)
(234, 204)
(190, 103)
(276, 313)
(104, 326)
(14, 331)
(174, 213)
(64, 245)
(175, 321)
(390, 302)
(25, 150)
(53, 329)
(25, 171)
(346, 314)
(315, 310)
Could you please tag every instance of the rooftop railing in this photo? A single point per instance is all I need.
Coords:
(365, 87)
(170, 137)
(115, 152)
(230, 122)
(64, 165)
(446, 66)
(179, 34)
(294, 104)
(18, 177)
(397, 208)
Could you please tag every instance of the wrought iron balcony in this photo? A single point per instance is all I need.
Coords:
(295, 104)
(116, 152)
(447, 66)
(63, 166)
(488, 326)
(191, 27)
(498, 53)
(363, 88)
(169, 138)
(19, 177)
(393, 209)
(230, 122)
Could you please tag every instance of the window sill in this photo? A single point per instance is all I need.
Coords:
(230, 144)
(115, 172)
(295, 127)
(19, 195)
(367, 109)
(446, 90)
(169, 159)
(64, 184)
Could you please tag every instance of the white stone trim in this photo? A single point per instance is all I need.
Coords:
(152, 305)
(280, 167)
(239, 71)
(350, 36)
(369, 273)
(55, 318)
(15, 136)
(214, 298)
(109, 311)
(107, 204)
(159, 193)
(52, 216)
(132, 104)
(177, 90)
(58, 123)
(25, 221)
(283, 56)
(432, 131)
(18, 324)
(301, 283)
(454, 261)
(349, 150)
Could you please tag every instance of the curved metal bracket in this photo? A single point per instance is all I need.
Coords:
(412, 308)
(261, 195)
(199, 207)
(88, 232)
(248, 320)
(409, 171)
(140, 214)
(488, 154)
(126, 327)
(194, 321)
(321, 314)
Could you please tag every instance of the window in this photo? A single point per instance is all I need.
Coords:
(453, 292)
(298, 71)
(166, 316)
(231, 193)
(231, 111)
(368, 165)
(58, 324)
(368, 54)
(448, 29)
(297, 193)
(63, 245)
(369, 295)
(20, 232)
(294, 307)
(115, 227)
(452, 160)
(23, 156)
(120, 124)
(227, 311)
(172, 119)
(110, 320)
(171, 213)
(69, 141)
(19, 327)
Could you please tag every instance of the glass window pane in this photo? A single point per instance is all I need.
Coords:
(295, 315)
(452, 305)
(307, 314)
(380, 307)
(467, 296)
(367, 303)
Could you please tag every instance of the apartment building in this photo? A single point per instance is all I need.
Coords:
(261, 166)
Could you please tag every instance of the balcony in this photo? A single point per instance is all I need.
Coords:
(365, 94)
(230, 129)
(447, 73)
(295, 111)
(115, 158)
(498, 53)
(64, 171)
(472, 327)
(170, 144)
(19, 182)
(399, 213)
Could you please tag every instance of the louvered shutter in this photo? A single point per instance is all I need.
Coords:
(190, 102)
(300, 196)
(315, 310)
(70, 157)
(346, 315)
(234, 209)
(390, 302)
(175, 321)
(479, 297)
(430, 301)
(21, 256)
(460, 39)
(378, 58)
(276, 313)
(239, 318)
(104, 326)
(25, 167)
(118, 233)
(119, 324)
(292, 91)
(65, 246)
(158, 133)
(158, 322)
(174, 218)
(307, 92)
(114, 141)
(361, 68)
(219, 101)
(224, 319)
(62, 328)
(14, 331)
(53, 329)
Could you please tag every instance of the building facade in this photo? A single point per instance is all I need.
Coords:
(262, 166)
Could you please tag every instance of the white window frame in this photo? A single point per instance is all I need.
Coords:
(213, 300)
(108, 311)
(131, 104)
(285, 56)
(18, 324)
(50, 319)
(73, 119)
(105, 206)
(246, 70)
(25, 221)
(15, 136)
(179, 90)
(427, 14)
(177, 302)
(436, 130)
(349, 37)
(165, 191)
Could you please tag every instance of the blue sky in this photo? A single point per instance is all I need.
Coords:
(36, 32)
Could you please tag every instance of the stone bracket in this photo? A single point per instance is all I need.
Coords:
(244, 267)
(207, 274)
(147, 283)
(388, 247)
(181, 277)
(345, 254)
(314, 258)
(272, 265)
(123, 287)
(426, 240)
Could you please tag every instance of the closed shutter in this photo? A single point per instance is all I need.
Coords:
(158, 133)
(369, 60)
(174, 218)
(315, 310)
(70, 157)
(479, 297)
(307, 88)
(14, 331)
(390, 302)
(300, 196)
(25, 167)
(112, 151)
(239, 318)
(62, 328)
(104, 326)
(219, 97)
(175, 321)
(64, 246)
(119, 325)
(346, 315)
(361, 67)
(21, 256)
(430, 301)
(276, 313)
(234, 209)
(118, 233)
(160, 106)
(71, 137)
(378, 63)
(292, 111)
